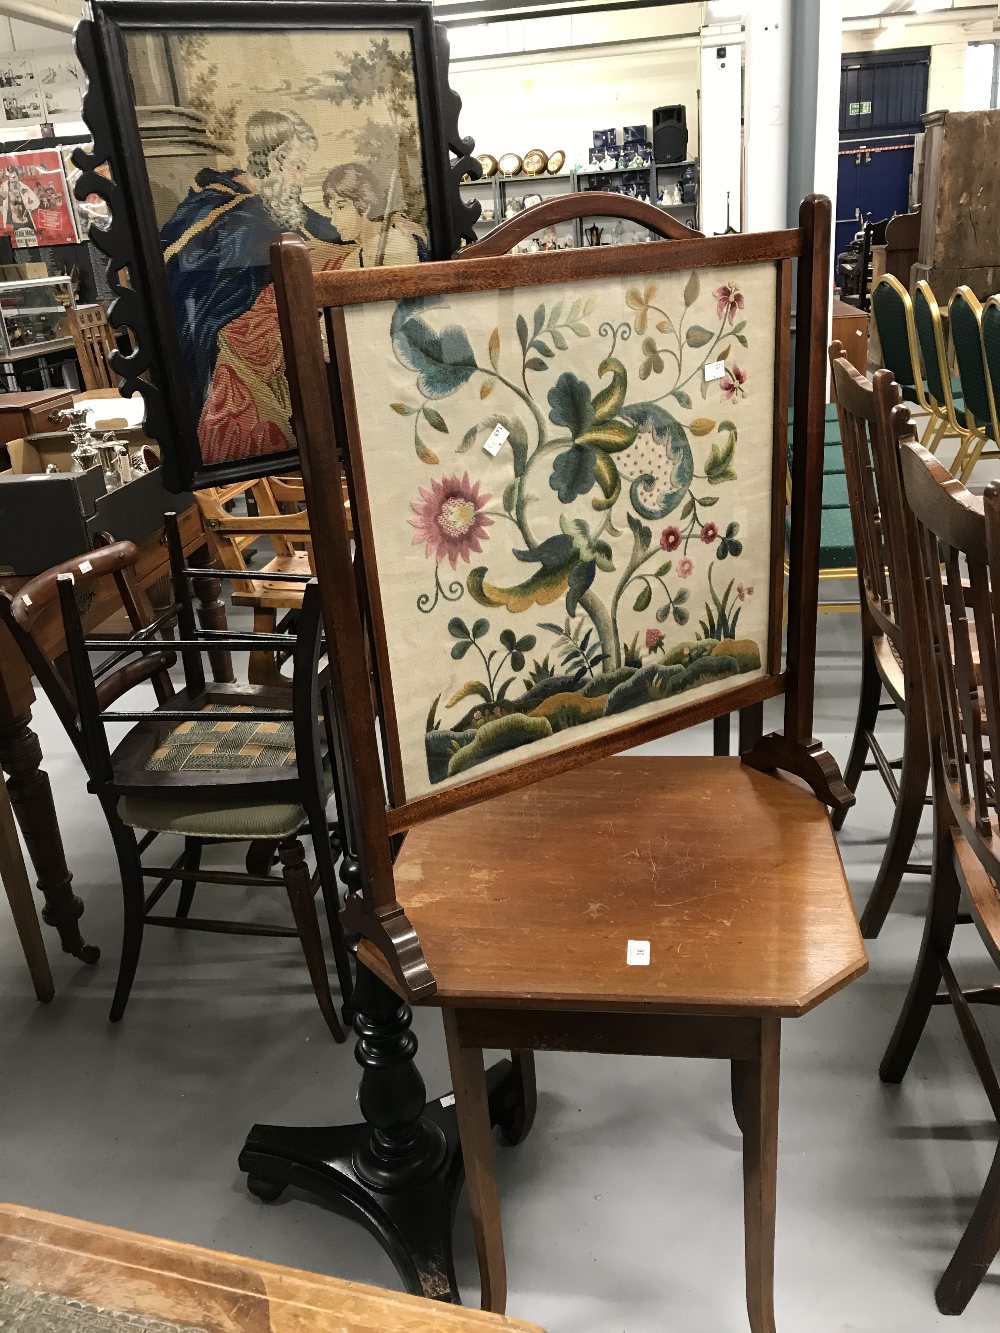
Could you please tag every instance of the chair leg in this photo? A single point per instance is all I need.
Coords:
(868, 702)
(468, 1081)
(192, 860)
(327, 867)
(133, 897)
(939, 927)
(977, 1249)
(913, 779)
(737, 1085)
(299, 889)
(759, 1105)
(516, 1129)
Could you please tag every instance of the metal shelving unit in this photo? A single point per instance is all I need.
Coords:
(498, 190)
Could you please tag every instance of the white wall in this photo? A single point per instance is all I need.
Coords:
(549, 83)
(513, 103)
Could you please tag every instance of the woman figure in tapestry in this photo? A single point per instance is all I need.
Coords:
(216, 250)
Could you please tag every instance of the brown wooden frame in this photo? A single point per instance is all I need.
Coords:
(324, 414)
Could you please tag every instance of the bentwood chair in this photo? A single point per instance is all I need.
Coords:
(612, 573)
(211, 764)
(965, 318)
(954, 544)
(889, 660)
(897, 334)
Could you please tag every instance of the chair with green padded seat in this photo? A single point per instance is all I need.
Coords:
(940, 386)
(836, 540)
(901, 353)
(965, 316)
(990, 331)
(212, 764)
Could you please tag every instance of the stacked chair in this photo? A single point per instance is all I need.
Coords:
(929, 570)
(889, 664)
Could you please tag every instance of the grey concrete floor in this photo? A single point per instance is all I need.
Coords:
(622, 1211)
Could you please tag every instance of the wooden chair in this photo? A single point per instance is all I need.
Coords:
(965, 315)
(954, 545)
(213, 763)
(281, 520)
(94, 343)
(547, 894)
(889, 659)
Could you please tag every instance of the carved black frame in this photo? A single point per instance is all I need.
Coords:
(131, 243)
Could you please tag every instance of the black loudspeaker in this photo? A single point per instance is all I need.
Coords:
(670, 135)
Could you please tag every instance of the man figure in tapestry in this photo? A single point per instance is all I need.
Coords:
(216, 250)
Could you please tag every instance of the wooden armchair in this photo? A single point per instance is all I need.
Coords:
(556, 565)
(94, 343)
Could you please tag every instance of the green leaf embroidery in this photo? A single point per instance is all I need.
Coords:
(573, 473)
(468, 440)
(510, 495)
(535, 363)
(434, 418)
(494, 348)
(539, 321)
(642, 602)
(403, 409)
(481, 627)
(692, 289)
(458, 629)
(719, 467)
(522, 332)
(683, 398)
(698, 336)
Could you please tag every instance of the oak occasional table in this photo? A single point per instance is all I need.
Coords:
(62, 1274)
(21, 753)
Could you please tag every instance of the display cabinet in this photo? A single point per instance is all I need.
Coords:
(34, 316)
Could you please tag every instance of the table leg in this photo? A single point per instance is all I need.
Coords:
(212, 615)
(15, 882)
(31, 797)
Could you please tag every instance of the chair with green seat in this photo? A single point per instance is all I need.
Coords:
(211, 764)
(965, 316)
(836, 554)
(990, 331)
(897, 335)
(934, 358)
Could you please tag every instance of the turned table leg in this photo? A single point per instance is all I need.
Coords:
(31, 797)
(14, 875)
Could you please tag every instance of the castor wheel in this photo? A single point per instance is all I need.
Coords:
(265, 1190)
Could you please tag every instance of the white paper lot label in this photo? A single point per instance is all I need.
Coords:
(637, 954)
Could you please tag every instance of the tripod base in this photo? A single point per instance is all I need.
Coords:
(411, 1218)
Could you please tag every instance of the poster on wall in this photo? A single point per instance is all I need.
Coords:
(20, 93)
(60, 82)
(35, 207)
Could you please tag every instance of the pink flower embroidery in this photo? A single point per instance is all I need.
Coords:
(709, 533)
(448, 520)
(654, 639)
(728, 300)
(685, 567)
(733, 385)
(670, 538)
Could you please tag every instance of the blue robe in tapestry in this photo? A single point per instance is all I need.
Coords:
(216, 248)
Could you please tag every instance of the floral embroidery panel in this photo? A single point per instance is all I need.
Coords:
(610, 561)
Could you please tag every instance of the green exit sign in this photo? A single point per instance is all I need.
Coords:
(861, 109)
